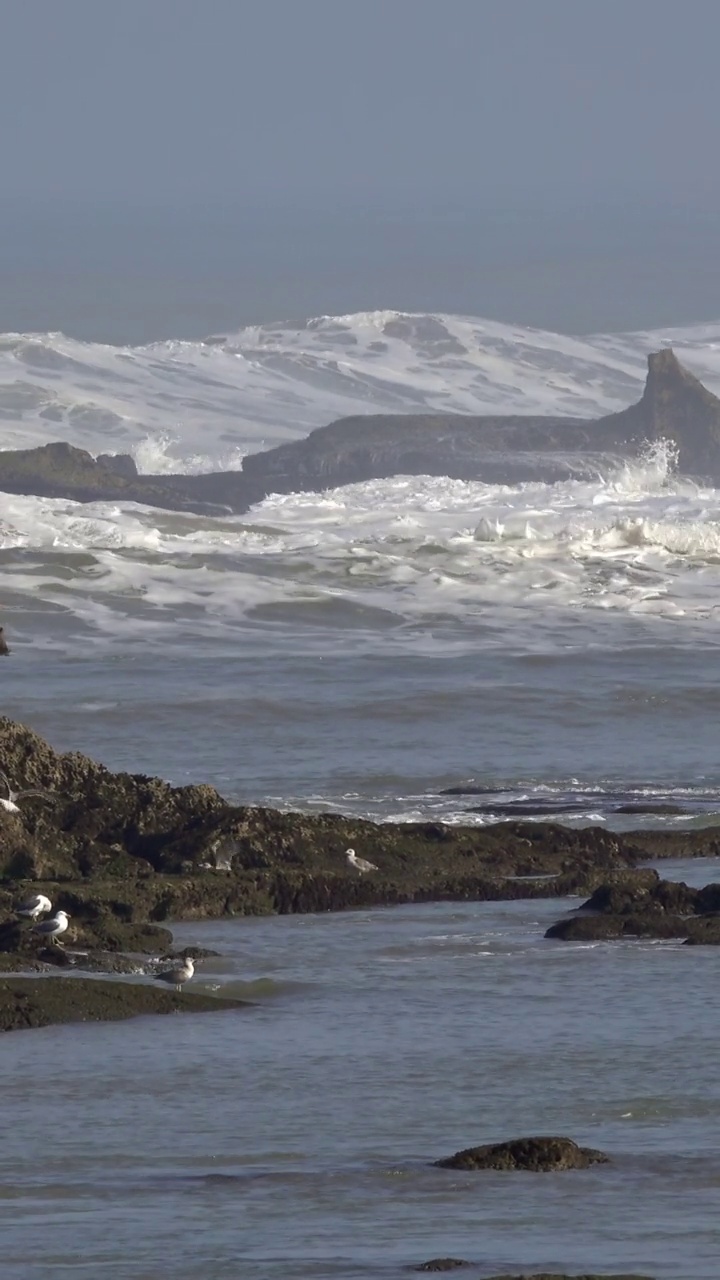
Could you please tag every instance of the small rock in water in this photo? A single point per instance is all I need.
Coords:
(534, 1155)
(442, 1264)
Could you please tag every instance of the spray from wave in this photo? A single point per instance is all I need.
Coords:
(154, 455)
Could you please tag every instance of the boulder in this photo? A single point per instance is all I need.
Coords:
(601, 928)
(533, 1155)
(703, 931)
(643, 892)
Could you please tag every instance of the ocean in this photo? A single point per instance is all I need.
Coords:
(362, 650)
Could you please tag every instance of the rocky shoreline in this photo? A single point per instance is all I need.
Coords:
(124, 853)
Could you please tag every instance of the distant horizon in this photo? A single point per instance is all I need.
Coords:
(288, 322)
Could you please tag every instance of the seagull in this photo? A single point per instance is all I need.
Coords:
(53, 927)
(4, 651)
(360, 864)
(178, 974)
(11, 804)
(34, 907)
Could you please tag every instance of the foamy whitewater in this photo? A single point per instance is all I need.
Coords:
(337, 598)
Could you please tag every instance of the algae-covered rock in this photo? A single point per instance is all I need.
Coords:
(600, 928)
(534, 1155)
(40, 1002)
(644, 906)
(120, 849)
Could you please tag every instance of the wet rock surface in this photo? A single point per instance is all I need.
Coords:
(41, 1002)
(641, 905)
(534, 1155)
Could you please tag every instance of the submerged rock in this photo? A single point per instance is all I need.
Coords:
(601, 928)
(41, 1002)
(442, 1264)
(534, 1155)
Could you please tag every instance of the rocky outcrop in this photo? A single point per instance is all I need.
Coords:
(674, 406)
(641, 905)
(29, 1002)
(185, 850)
(494, 448)
(533, 1155)
(58, 470)
(123, 853)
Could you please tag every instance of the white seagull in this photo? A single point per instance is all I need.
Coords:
(10, 804)
(360, 864)
(178, 974)
(34, 907)
(53, 927)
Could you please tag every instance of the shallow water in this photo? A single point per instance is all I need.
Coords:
(295, 1138)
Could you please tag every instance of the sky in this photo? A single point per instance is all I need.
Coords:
(546, 161)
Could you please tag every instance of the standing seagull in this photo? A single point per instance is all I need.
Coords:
(53, 927)
(178, 974)
(34, 907)
(360, 864)
(11, 804)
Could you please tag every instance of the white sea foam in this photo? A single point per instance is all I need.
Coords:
(406, 560)
(376, 558)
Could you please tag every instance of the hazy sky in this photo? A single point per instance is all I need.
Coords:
(386, 152)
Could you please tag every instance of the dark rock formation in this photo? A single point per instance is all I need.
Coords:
(674, 406)
(452, 1264)
(601, 928)
(121, 853)
(38, 1002)
(58, 470)
(134, 848)
(442, 1264)
(641, 905)
(493, 448)
(120, 463)
(534, 1155)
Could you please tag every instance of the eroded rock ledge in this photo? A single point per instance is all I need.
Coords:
(495, 449)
